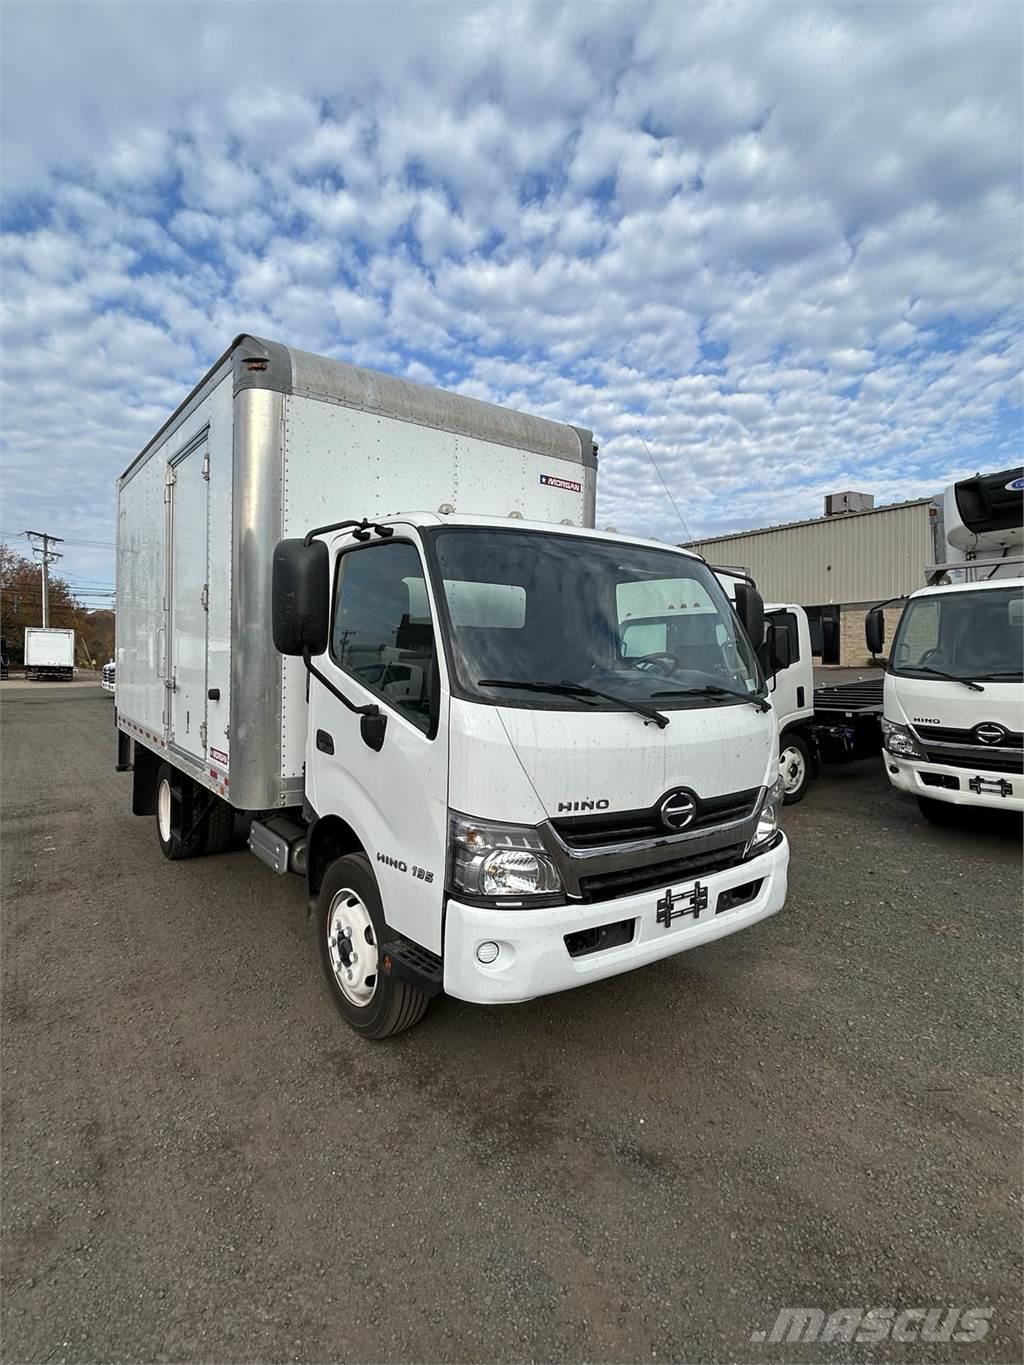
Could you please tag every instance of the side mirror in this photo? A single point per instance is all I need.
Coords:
(776, 656)
(750, 610)
(301, 597)
(874, 630)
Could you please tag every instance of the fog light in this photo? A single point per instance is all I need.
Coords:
(487, 953)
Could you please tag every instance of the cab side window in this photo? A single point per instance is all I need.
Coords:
(786, 621)
(382, 632)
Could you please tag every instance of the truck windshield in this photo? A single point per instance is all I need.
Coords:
(975, 634)
(634, 622)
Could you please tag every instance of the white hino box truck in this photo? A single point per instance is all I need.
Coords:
(953, 720)
(371, 623)
(49, 654)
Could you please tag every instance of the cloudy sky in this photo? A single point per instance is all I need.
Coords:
(780, 242)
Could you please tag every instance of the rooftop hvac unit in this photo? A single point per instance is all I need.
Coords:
(838, 503)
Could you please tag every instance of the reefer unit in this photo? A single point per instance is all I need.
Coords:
(271, 443)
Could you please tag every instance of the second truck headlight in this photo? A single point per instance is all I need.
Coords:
(898, 741)
(501, 861)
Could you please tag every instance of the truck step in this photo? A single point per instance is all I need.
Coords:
(417, 965)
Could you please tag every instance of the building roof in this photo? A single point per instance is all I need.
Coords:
(809, 521)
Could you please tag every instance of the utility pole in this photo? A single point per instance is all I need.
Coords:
(47, 556)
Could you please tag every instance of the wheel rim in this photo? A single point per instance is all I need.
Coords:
(793, 767)
(163, 811)
(352, 946)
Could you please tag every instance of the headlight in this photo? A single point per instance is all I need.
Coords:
(898, 740)
(506, 862)
(768, 819)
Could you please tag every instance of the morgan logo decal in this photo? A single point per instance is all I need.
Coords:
(219, 756)
(569, 485)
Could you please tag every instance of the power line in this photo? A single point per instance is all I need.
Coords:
(664, 485)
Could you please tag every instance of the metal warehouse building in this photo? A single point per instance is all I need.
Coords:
(836, 566)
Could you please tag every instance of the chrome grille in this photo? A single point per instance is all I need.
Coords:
(962, 749)
(634, 826)
(628, 881)
(945, 734)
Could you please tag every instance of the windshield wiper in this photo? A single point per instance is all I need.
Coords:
(713, 690)
(567, 689)
(993, 677)
(941, 673)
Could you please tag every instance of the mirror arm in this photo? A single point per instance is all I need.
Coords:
(362, 533)
(371, 710)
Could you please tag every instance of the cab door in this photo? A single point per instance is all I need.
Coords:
(391, 789)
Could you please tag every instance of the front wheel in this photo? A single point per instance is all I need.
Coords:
(350, 928)
(794, 768)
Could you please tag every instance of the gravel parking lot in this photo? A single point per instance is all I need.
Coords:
(201, 1162)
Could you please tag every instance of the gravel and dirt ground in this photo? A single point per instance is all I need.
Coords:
(201, 1162)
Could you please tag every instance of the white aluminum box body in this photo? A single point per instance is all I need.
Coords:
(49, 648)
(271, 443)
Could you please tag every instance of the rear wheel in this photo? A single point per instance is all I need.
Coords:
(350, 928)
(938, 812)
(220, 827)
(794, 768)
(173, 803)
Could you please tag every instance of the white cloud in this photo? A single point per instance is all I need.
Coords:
(781, 243)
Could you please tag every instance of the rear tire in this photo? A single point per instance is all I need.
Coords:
(795, 768)
(938, 812)
(171, 787)
(350, 928)
(220, 828)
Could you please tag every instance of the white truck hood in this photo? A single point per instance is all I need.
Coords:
(939, 702)
(525, 765)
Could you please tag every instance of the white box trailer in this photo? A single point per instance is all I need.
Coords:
(49, 654)
(372, 621)
(272, 442)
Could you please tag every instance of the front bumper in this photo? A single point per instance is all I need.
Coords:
(912, 777)
(533, 958)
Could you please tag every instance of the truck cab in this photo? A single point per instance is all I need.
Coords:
(953, 721)
(537, 756)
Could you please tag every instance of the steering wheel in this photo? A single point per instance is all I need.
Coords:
(661, 661)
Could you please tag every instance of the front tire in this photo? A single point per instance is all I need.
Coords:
(795, 767)
(350, 928)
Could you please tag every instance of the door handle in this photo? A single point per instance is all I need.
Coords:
(324, 742)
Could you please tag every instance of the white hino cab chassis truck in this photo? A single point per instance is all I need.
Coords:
(370, 623)
(953, 719)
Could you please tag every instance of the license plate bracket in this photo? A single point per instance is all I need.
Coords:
(691, 901)
(995, 785)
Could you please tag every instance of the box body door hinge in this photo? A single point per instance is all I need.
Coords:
(204, 597)
(206, 466)
(202, 734)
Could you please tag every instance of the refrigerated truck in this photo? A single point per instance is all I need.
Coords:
(953, 721)
(49, 654)
(372, 622)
